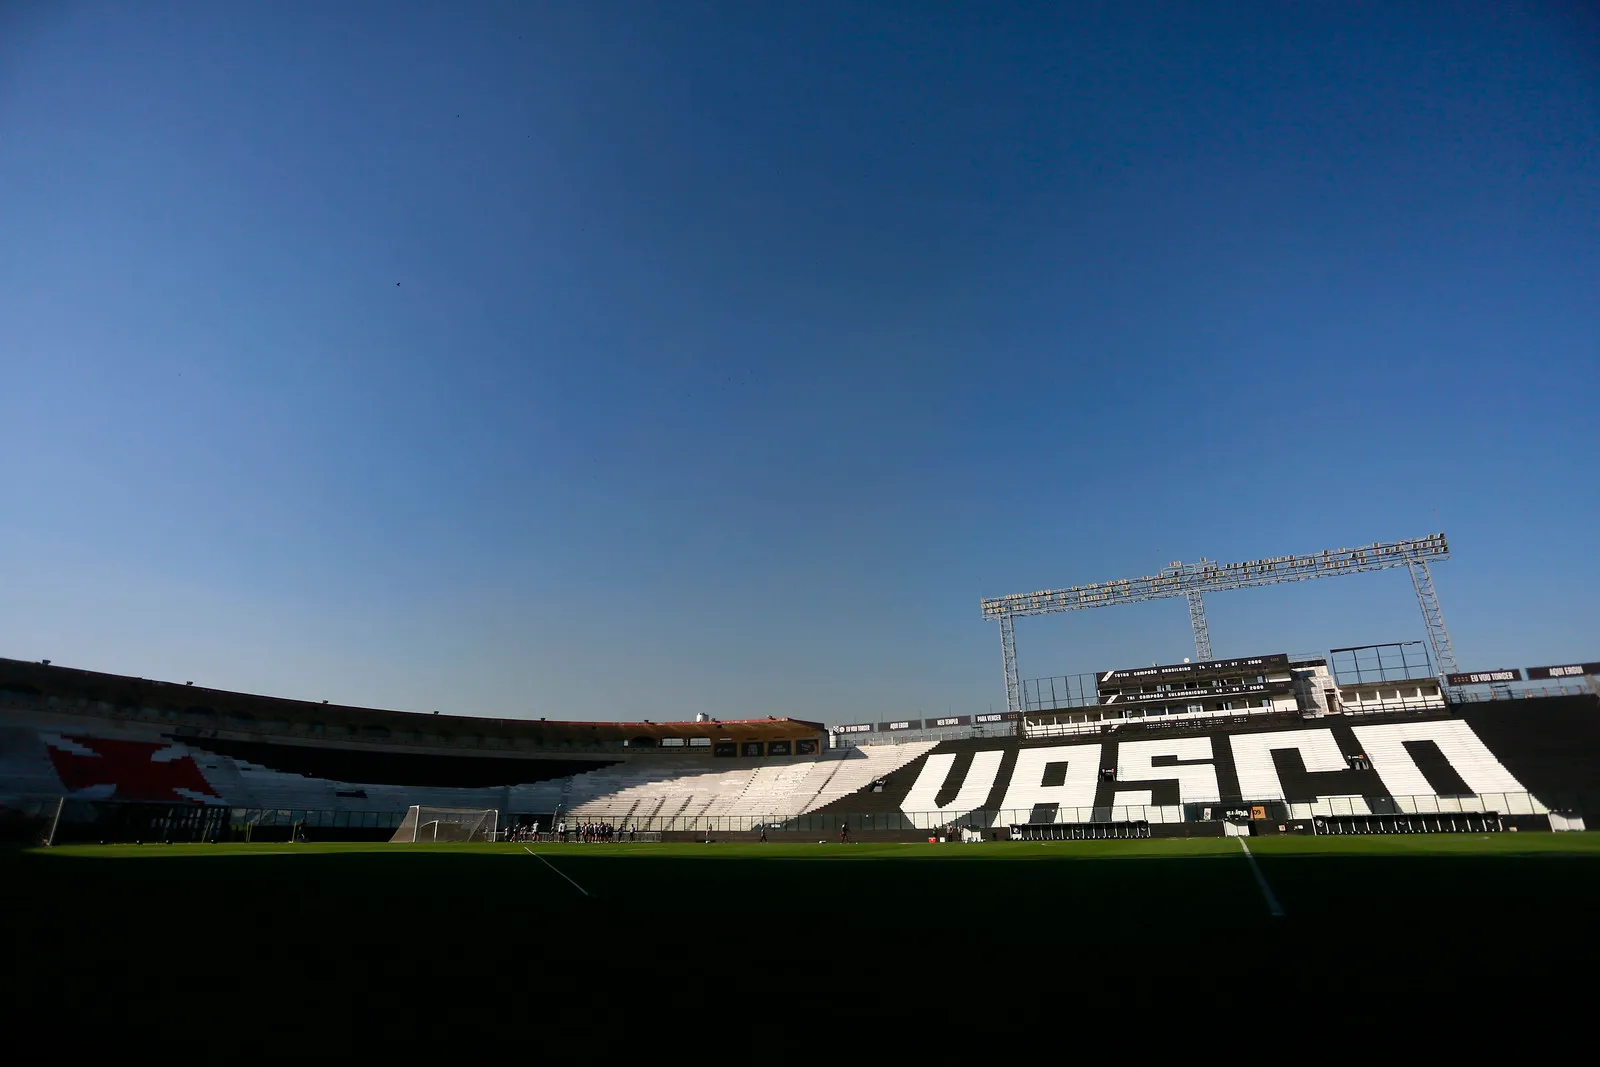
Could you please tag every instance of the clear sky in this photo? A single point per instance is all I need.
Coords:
(615, 360)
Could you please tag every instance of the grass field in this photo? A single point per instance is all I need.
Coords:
(317, 921)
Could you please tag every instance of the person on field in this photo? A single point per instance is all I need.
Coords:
(763, 831)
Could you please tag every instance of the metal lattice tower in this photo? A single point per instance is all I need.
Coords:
(1008, 652)
(1190, 580)
(1444, 657)
(1197, 622)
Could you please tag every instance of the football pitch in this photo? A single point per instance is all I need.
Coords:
(335, 920)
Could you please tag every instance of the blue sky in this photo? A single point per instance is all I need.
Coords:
(620, 360)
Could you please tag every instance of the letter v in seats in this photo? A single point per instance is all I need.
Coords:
(920, 802)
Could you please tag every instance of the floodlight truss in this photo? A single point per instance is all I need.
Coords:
(1192, 580)
(1197, 622)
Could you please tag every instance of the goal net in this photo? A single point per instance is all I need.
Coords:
(448, 824)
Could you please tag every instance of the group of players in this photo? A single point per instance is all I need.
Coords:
(586, 832)
(597, 831)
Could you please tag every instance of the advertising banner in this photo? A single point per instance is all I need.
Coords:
(1175, 696)
(1179, 670)
(1482, 677)
(1568, 670)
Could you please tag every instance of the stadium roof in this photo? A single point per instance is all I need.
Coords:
(717, 730)
(242, 708)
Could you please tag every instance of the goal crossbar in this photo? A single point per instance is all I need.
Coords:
(430, 824)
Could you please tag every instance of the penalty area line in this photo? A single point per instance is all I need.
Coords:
(553, 867)
(1273, 906)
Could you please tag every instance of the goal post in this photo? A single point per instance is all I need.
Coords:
(426, 824)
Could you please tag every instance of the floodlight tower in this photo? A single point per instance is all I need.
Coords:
(1191, 580)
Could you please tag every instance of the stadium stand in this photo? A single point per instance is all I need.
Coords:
(858, 768)
(1256, 767)
(771, 791)
(98, 739)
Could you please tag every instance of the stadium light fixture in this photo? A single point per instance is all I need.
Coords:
(1193, 580)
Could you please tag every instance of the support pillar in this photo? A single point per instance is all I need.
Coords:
(1008, 653)
(1444, 656)
(1197, 621)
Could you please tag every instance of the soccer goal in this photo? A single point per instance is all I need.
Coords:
(448, 824)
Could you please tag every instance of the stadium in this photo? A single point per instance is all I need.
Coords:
(1236, 806)
(99, 758)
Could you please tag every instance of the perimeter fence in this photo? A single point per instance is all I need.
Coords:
(38, 820)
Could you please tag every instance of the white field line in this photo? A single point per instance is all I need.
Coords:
(1273, 906)
(553, 867)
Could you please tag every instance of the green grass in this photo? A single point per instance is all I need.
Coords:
(343, 923)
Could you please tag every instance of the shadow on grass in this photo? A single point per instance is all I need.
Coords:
(342, 925)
